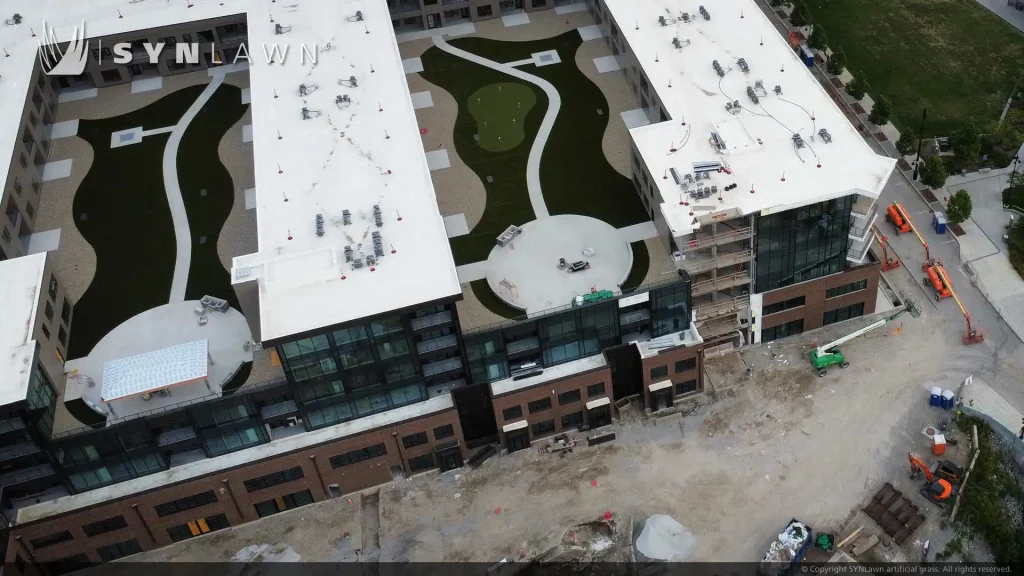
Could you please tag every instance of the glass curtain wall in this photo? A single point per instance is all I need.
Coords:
(802, 244)
(110, 455)
(354, 371)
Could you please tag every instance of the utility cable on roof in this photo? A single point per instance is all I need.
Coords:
(720, 89)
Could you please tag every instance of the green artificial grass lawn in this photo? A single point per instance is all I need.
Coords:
(641, 263)
(122, 212)
(500, 112)
(575, 175)
(507, 199)
(953, 57)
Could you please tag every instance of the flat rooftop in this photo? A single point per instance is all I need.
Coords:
(21, 279)
(232, 460)
(350, 156)
(759, 148)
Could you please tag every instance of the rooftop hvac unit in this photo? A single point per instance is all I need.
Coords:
(718, 68)
(357, 263)
(704, 13)
(717, 142)
(752, 95)
(371, 260)
(675, 176)
(676, 42)
(685, 17)
(778, 90)
(319, 224)
(706, 168)
(377, 219)
(742, 63)
(280, 29)
(342, 100)
(825, 136)
(346, 217)
(348, 253)
(733, 107)
(798, 141)
(663, 21)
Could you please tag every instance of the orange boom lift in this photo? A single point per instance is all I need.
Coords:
(887, 263)
(971, 335)
(901, 220)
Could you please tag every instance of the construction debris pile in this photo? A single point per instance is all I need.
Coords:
(788, 546)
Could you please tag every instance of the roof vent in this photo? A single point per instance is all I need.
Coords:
(704, 13)
(825, 136)
(798, 141)
(778, 90)
(742, 63)
(717, 142)
(718, 68)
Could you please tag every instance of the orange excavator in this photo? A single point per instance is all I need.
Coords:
(887, 263)
(938, 488)
(902, 222)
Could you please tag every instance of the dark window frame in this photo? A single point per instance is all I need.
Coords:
(512, 412)
(684, 365)
(540, 405)
(686, 387)
(416, 439)
(274, 479)
(595, 390)
(659, 372)
(104, 526)
(51, 539)
(442, 432)
(357, 456)
(187, 503)
(569, 397)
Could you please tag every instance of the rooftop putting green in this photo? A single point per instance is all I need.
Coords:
(500, 112)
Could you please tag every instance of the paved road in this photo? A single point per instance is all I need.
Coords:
(998, 359)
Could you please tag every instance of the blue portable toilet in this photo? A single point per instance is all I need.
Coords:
(939, 222)
(807, 55)
(936, 397)
(947, 400)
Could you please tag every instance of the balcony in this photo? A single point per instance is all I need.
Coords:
(454, 2)
(442, 366)
(438, 319)
(863, 206)
(723, 307)
(435, 344)
(16, 451)
(696, 262)
(403, 7)
(634, 317)
(176, 435)
(860, 228)
(721, 283)
(11, 425)
(702, 240)
(524, 345)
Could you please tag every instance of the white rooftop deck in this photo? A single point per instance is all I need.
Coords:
(368, 153)
(759, 140)
(21, 279)
(550, 374)
(247, 456)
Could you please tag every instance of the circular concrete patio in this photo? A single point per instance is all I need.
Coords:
(526, 274)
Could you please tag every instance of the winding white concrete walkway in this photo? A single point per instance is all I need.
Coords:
(540, 208)
(182, 234)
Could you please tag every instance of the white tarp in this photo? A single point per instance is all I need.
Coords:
(155, 370)
(665, 539)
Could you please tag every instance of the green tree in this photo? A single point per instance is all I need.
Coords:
(858, 87)
(881, 111)
(800, 16)
(818, 40)
(907, 142)
(959, 207)
(933, 173)
(836, 62)
(967, 142)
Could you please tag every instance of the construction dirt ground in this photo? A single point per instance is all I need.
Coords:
(756, 452)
